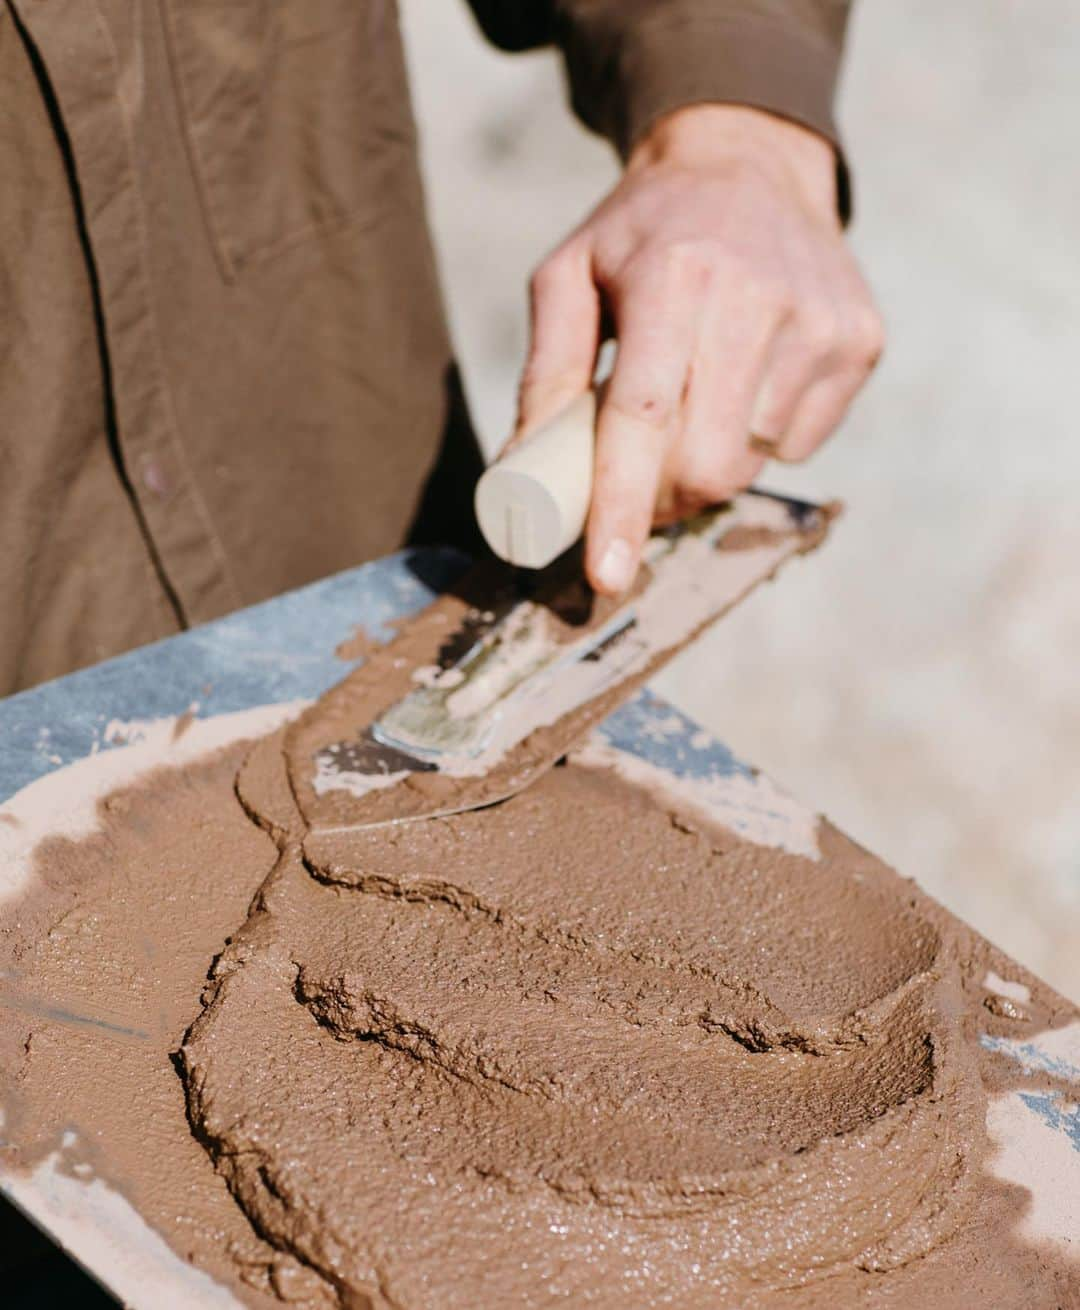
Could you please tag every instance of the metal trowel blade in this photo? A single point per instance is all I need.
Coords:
(532, 667)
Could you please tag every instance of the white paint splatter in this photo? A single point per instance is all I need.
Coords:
(1013, 991)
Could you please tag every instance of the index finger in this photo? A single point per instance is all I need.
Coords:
(639, 416)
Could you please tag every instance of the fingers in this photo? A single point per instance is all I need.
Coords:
(564, 336)
(774, 374)
(712, 458)
(674, 437)
(818, 413)
(818, 364)
(657, 322)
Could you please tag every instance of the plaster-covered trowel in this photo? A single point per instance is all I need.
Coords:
(556, 657)
(531, 506)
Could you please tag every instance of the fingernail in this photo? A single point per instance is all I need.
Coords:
(616, 571)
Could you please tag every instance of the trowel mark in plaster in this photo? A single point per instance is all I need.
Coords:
(15, 997)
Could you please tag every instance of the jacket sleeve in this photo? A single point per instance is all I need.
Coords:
(630, 62)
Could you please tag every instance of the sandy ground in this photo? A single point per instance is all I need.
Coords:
(920, 680)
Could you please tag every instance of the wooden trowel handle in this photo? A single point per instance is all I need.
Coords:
(532, 504)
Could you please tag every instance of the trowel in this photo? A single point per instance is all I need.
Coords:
(543, 665)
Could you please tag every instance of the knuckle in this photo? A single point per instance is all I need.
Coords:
(670, 270)
(693, 258)
(769, 293)
(551, 273)
(755, 281)
(819, 330)
(542, 279)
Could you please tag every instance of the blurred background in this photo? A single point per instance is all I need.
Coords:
(918, 680)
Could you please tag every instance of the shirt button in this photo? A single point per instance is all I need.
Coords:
(154, 477)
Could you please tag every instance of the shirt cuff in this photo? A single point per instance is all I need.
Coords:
(656, 68)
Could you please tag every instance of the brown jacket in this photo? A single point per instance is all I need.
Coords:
(224, 369)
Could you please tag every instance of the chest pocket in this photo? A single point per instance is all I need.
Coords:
(290, 109)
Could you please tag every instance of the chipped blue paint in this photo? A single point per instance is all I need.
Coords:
(650, 728)
(1051, 1107)
(280, 650)
(1032, 1058)
(1056, 1113)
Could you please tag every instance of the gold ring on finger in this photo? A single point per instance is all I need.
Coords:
(767, 446)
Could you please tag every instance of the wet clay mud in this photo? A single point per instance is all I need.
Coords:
(584, 1046)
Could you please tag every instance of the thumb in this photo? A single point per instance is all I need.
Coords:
(563, 340)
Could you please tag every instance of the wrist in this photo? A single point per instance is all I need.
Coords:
(713, 136)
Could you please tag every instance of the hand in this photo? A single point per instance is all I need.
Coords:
(737, 307)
